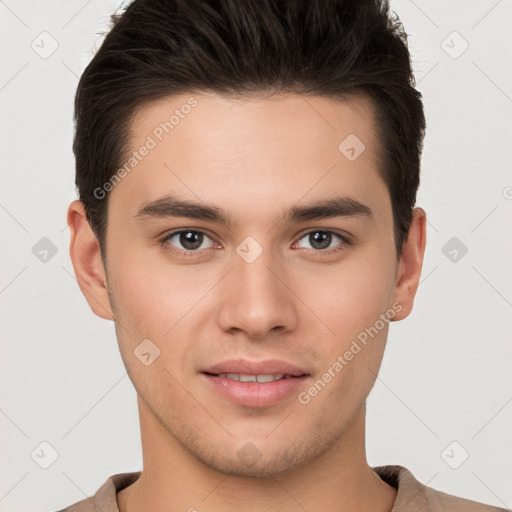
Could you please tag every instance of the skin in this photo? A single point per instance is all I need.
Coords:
(254, 158)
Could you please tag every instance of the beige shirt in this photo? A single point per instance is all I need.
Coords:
(412, 496)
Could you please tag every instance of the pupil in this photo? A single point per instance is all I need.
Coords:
(322, 238)
(191, 240)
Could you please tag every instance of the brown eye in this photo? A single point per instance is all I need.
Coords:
(320, 240)
(187, 240)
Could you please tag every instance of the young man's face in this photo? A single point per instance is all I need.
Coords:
(311, 292)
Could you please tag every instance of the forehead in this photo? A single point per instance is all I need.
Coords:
(251, 152)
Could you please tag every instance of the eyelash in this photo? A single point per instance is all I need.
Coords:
(184, 252)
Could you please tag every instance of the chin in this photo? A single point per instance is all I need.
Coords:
(253, 460)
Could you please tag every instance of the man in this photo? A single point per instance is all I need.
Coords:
(247, 174)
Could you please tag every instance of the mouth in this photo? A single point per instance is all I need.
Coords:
(256, 391)
(241, 377)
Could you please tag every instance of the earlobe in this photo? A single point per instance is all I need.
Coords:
(86, 258)
(410, 265)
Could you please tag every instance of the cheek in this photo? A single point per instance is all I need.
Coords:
(355, 295)
(148, 291)
(156, 300)
(351, 296)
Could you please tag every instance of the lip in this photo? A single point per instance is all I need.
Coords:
(267, 367)
(255, 394)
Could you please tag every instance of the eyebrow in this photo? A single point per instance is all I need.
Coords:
(171, 206)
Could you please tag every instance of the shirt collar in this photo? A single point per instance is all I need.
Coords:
(410, 496)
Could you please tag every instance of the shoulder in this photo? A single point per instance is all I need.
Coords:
(414, 496)
(449, 502)
(105, 498)
(85, 505)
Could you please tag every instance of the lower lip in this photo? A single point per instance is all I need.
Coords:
(256, 394)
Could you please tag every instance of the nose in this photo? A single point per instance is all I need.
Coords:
(257, 298)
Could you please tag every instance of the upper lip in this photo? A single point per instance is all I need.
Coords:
(267, 367)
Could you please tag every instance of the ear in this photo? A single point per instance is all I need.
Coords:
(410, 264)
(86, 258)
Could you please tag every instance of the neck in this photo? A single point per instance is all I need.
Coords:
(173, 479)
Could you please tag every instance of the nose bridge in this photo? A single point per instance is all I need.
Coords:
(255, 298)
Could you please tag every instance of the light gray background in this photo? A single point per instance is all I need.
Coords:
(446, 371)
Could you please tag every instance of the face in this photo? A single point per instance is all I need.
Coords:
(282, 264)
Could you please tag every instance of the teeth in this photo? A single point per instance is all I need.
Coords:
(251, 378)
(268, 378)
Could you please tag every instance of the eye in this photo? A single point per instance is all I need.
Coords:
(320, 240)
(192, 241)
(187, 240)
